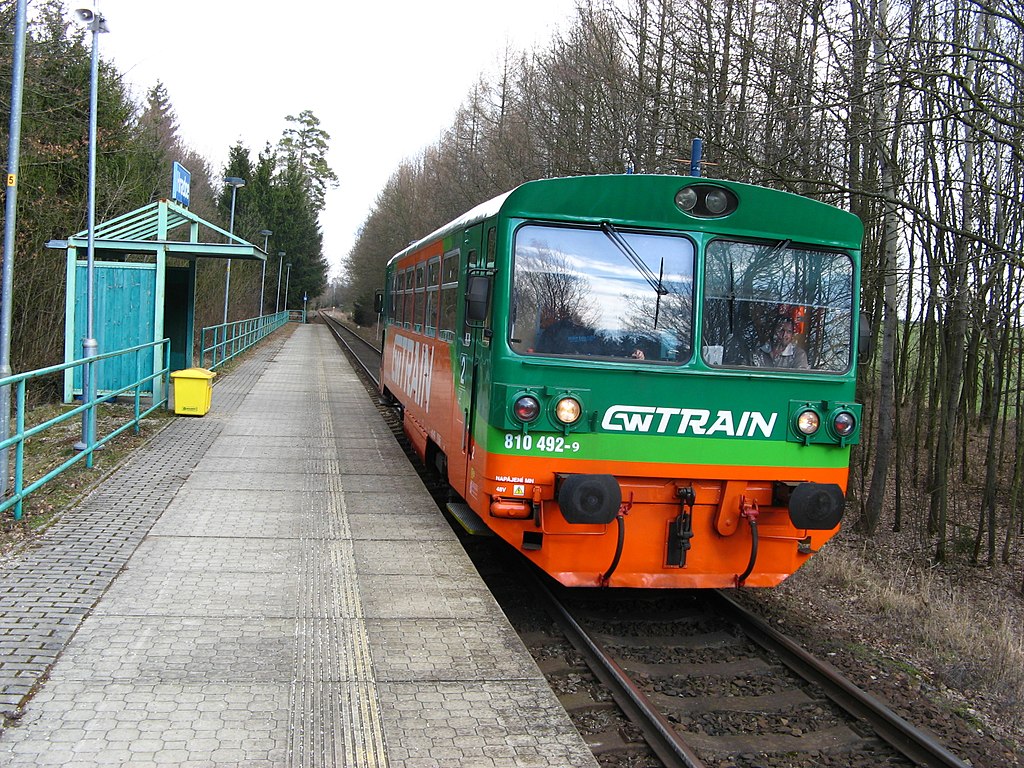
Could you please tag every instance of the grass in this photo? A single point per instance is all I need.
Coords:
(49, 449)
(971, 635)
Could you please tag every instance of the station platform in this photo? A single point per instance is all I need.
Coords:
(267, 585)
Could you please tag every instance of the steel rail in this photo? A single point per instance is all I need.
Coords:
(659, 733)
(336, 328)
(914, 743)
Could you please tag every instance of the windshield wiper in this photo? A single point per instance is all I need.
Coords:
(627, 250)
(778, 248)
(645, 272)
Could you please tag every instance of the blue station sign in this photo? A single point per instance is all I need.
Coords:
(181, 184)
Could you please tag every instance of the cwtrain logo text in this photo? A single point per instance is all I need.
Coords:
(411, 367)
(682, 421)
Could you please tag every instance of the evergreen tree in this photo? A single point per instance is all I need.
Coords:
(158, 134)
(305, 144)
(52, 183)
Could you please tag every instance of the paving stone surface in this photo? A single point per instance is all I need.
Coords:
(268, 585)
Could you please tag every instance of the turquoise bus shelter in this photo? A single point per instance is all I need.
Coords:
(140, 300)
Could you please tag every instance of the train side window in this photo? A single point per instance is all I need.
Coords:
(492, 241)
(407, 313)
(433, 289)
(397, 288)
(418, 300)
(449, 293)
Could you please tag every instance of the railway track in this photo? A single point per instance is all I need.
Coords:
(704, 683)
(674, 678)
(367, 355)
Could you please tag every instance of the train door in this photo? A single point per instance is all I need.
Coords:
(473, 345)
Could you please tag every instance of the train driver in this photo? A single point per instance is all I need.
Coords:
(781, 350)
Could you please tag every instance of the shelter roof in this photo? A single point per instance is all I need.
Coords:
(147, 229)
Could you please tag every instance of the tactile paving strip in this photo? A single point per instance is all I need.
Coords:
(349, 716)
(46, 590)
(326, 619)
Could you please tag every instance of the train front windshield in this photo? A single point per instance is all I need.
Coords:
(629, 296)
(602, 293)
(777, 306)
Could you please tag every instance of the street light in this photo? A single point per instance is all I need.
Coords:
(10, 216)
(235, 183)
(287, 279)
(92, 20)
(263, 280)
(277, 296)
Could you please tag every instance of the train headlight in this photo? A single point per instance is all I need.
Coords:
(844, 423)
(716, 202)
(686, 198)
(568, 410)
(808, 422)
(526, 408)
(824, 422)
(706, 200)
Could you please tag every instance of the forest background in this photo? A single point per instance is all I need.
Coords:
(136, 147)
(907, 112)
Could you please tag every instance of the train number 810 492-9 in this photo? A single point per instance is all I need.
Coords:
(543, 443)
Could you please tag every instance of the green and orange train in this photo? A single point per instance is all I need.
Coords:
(637, 381)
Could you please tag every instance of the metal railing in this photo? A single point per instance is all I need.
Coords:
(228, 340)
(143, 360)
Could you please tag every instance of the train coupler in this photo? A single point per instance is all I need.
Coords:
(680, 530)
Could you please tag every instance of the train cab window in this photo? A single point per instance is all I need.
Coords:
(394, 296)
(449, 292)
(492, 242)
(419, 300)
(399, 297)
(433, 289)
(776, 305)
(606, 293)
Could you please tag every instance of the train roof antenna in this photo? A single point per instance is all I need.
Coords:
(696, 155)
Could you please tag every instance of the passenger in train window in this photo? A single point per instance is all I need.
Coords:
(781, 350)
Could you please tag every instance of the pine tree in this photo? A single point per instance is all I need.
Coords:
(305, 144)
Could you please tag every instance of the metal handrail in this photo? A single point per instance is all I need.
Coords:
(228, 340)
(21, 433)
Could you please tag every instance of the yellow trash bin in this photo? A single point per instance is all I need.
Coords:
(193, 390)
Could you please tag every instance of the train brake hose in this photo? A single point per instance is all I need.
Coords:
(750, 512)
(620, 518)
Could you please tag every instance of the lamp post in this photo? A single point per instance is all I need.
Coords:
(263, 280)
(277, 296)
(287, 279)
(93, 20)
(235, 183)
(10, 215)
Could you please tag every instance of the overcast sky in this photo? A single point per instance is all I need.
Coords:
(383, 76)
